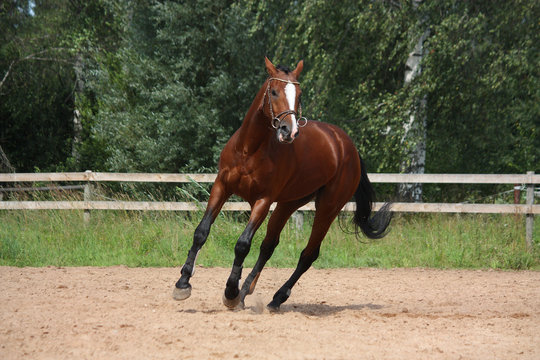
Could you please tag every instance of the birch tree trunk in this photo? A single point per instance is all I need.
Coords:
(414, 135)
(77, 124)
(5, 165)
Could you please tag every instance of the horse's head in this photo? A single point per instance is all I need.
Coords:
(281, 102)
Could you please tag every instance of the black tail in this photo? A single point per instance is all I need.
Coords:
(374, 227)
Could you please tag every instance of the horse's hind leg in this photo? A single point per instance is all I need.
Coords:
(329, 202)
(218, 196)
(277, 221)
(321, 224)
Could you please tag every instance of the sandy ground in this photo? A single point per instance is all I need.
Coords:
(125, 313)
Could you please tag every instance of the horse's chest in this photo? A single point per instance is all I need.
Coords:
(247, 183)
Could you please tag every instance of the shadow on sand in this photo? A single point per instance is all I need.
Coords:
(321, 309)
(324, 309)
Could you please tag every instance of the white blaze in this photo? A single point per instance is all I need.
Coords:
(290, 93)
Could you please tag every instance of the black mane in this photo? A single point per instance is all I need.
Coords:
(285, 69)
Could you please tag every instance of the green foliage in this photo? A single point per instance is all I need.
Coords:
(482, 81)
(177, 88)
(35, 87)
(40, 48)
(161, 85)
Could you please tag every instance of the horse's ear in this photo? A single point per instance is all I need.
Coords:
(296, 72)
(270, 67)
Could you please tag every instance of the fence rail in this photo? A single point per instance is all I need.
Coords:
(243, 206)
(529, 209)
(529, 178)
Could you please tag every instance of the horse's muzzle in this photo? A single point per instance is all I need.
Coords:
(285, 134)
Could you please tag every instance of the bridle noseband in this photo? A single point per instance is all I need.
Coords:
(276, 120)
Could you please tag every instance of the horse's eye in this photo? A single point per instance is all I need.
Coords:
(274, 92)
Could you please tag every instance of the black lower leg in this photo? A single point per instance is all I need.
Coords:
(306, 259)
(240, 252)
(199, 238)
(187, 270)
(231, 290)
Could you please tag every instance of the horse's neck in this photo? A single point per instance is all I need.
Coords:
(255, 129)
(254, 133)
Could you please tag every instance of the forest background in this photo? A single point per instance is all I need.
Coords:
(159, 86)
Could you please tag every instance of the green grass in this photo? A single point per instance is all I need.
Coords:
(61, 238)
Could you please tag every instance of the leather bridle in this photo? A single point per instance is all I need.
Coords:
(276, 120)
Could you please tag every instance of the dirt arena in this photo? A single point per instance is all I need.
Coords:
(125, 313)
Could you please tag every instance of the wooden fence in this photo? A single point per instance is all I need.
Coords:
(529, 180)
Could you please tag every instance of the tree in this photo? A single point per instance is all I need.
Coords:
(177, 87)
(161, 85)
(481, 79)
(34, 87)
(414, 130)
(44, 47)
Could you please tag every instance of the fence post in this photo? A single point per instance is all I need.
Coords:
(87, 196)
(517, 199)
(298, 218)
(529, 221)
(517, 194)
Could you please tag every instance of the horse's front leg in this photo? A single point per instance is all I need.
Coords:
(218, 196)
(259, 210)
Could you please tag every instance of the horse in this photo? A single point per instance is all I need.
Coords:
(268, 161)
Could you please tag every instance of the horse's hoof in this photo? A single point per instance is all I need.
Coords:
(181, 294)
(233, 303)
(273, 307)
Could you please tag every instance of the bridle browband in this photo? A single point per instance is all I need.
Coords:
(276, 120)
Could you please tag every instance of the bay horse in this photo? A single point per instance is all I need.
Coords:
(266, 161)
